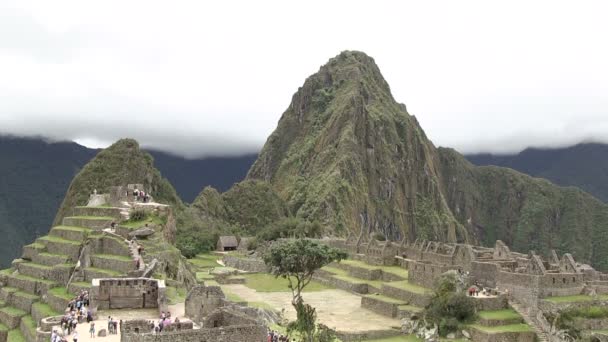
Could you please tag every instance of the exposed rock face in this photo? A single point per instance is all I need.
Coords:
(142, 232)
(347, 154)
(120, 164)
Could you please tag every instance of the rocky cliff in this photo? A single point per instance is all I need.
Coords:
(347, 154)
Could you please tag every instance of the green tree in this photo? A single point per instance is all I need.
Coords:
(297, 262)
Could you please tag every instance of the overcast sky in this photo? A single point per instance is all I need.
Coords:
(213, 78)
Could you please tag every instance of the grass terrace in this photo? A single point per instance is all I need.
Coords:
(15, 335)
(404, 284)
(176, 295)
(113, 257)
(396, 270)
(499, 315)
(44, 309)
(575, 299)
(51, 238)
(61, 292)
(521, 327)
(73, 229)
(262, 282)
(110, 273)
(91, 217)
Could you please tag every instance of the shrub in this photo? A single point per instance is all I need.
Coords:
(449, 308)
(379, 236)
(138, 215)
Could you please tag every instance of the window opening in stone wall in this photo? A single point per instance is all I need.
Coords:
(553, 280)
(573, 279)
(564, 280)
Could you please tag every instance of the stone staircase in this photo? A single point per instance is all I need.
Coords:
(36, 286)
(540, 334)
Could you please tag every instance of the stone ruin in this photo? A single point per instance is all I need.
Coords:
(128, 293)
(213, 319)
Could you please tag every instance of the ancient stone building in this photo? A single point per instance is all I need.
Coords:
(128, 293)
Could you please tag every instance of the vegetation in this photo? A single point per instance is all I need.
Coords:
(296, 261)
(567, 319)
(262, 282)
(449, 309)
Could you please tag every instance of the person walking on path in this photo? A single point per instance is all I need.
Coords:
(92, 329)
(75, 336)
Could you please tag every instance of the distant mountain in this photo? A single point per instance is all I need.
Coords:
(346, 154)
(35, 175)
(583, 165)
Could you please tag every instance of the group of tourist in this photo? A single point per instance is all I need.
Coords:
(112, 326)
(274, 336)
(76, 312)
(141, 195)
(164, 323)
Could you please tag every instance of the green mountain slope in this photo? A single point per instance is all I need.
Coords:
(120, 164)
(347, 154)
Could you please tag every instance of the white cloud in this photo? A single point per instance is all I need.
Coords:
(201, 78)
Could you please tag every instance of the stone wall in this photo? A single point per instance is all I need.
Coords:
(381, 307)
(128, 293)
(110, 245)
(415, 299)
(522, 287)
(562, 284)
(202, 301)
(245, 264)
(485, 273)
(424, 274)
(249, 333)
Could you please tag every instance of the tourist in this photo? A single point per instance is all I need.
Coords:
(54, 336)
(178, 325)
(92, 329)
(114, 326)
(75, 336)
(110, 325)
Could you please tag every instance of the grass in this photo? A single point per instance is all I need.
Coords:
(14, 312)
(73, 229)
(574, 299)
(25, 295)
(396, 270)
(3, 327)
(44, 309)
(202, 276)
(343, 275)
(233, 297)
(111, 273)
(91, 217)
(405, 285)
(36, 245)
(499, 315)
(53, 255)
(29, 323)
(28, 278)
(81, 284)
(51, 238)
(521, 327)
(176, 295)
(15, 335)
(7, 271)
(150, 220)
(113, 257)
(9, 289)
(263, 282)
(61, 292)
(39, 266)
(385, 299)
(205, 261)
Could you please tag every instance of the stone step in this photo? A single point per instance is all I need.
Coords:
(56, 245)
(22, 300)
(98, 212)
(382, 305)
(11, 316)
(409, 293)
(28, 328)
(6, 292)
(117, 263)
(30, 284)
(92, 222)
(49, 259)
(42, 310)
(75, 287)
(31, 250)
(59, 273)
(78, 234)
(58, 299)
(406, 311)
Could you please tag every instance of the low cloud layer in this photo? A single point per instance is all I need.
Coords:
(200, 79)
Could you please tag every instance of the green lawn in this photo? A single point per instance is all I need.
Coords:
(110, 273)
(501, 315)
(15, 336)
(411, 308)
(61, 292)
(577, 298)
(44, 309)
(205, 261)
(263, 282)
(343, 275)
(176, 295)
(406, 285)
(521, 327)
(108, 218)
(150, 220)
(113, 257)
(51, 238)
(389, 269)
(11, 311)
(3, 327)
(73, 229)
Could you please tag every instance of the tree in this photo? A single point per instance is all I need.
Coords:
(297, 261)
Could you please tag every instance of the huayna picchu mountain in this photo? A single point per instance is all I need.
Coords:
(346, 154)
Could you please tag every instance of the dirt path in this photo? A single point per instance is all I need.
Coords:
(337, 309)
